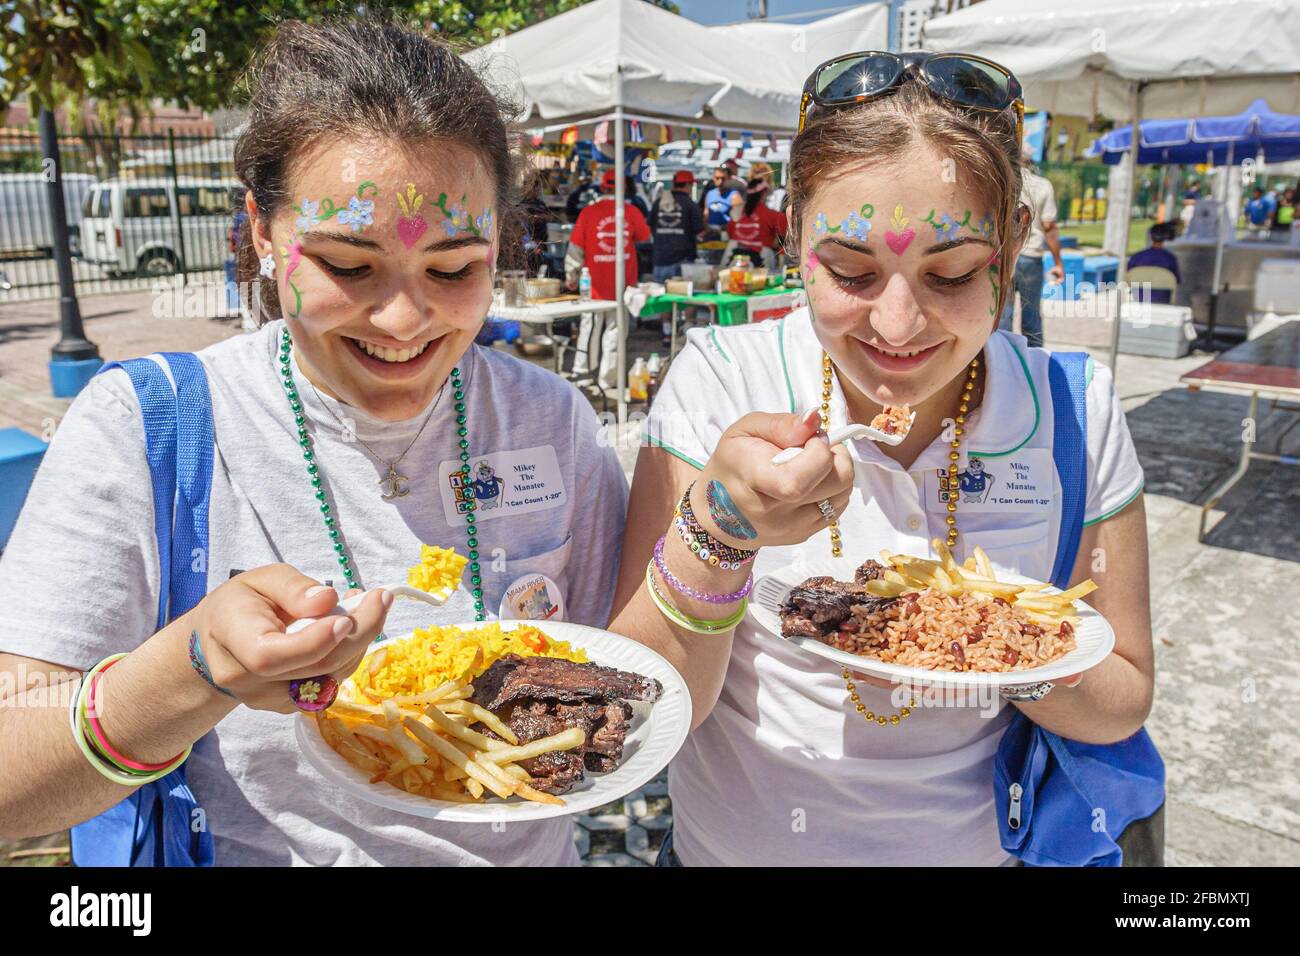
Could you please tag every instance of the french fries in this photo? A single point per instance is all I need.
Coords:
(905, 574)
(423, 744)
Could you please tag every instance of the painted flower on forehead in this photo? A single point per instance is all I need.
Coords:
(358, 213)
(821, 225)
(856, 226)
(307, 216)
(985, 226)
(484, 222)
(946, 228)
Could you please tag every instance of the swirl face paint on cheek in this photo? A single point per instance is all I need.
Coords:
(811, 262)
(993, 281)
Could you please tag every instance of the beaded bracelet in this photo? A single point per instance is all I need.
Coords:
(681, 587)
(684, 621)
(100, 743)
(100, 764)
(704, 545)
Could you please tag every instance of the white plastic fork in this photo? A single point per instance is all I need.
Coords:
(847, 433)
(348, 605)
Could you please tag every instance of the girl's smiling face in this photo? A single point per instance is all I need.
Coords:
(383, 265)
(898, 266)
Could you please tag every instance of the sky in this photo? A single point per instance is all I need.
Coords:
(730, 11)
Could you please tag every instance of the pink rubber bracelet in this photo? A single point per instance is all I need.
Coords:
(102, 741)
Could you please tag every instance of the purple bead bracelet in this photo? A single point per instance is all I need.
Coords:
(682, 587)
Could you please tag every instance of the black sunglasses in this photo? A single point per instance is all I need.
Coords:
(971, 82)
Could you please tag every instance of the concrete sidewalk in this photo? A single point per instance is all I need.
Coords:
(1226, 613)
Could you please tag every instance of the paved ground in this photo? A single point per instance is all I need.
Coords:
(1226, 617)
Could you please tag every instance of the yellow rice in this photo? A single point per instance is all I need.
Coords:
(432, 656)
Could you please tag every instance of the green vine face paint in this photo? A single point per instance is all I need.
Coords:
(357, 213)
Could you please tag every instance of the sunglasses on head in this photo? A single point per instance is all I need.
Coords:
(971, 82)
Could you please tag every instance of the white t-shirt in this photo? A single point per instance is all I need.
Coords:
(1037, 193)
(79, 579)
(784, 771)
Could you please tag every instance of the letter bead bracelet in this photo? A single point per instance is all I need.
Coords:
(702, 544)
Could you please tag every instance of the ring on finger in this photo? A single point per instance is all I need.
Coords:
(828, 510)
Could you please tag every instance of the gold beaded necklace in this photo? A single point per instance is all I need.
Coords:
(954, 456)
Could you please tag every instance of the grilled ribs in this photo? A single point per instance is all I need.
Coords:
(541, 696)
(821, 606)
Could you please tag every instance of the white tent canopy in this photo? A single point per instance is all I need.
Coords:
(1129, 59)
(570, 66)
(798, 48)
(1201, 57)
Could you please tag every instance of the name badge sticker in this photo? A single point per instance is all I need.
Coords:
(502, 483)
(1024, 482)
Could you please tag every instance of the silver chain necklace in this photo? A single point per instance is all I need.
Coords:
(394, 483)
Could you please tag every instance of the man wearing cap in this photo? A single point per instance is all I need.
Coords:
(593, 244)
(676, 222)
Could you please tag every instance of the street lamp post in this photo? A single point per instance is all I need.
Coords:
(74, 359)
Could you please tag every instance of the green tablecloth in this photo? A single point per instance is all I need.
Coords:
(731, 309)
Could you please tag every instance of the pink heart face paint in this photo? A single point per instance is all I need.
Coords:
(900, 236)
(411, 226)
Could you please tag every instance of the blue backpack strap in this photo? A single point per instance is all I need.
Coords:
(193, 479)
(153, 827)
(158, 409)
(1067, 374)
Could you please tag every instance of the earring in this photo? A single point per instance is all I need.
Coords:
(268, 265)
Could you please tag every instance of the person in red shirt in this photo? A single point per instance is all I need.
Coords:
(592, 245)
(593, 239)
(758, 231)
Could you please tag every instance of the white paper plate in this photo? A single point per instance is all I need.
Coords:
(656, 733)
(1094, 635)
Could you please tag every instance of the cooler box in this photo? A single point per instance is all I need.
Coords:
(20, 454)
(1161, 331)
(1073, 264)
(1100, 270)
(1277, 286)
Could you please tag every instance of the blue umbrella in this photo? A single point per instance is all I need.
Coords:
(1215, 140)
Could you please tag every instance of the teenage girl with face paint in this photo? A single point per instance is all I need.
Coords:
(346, 430)
(903, 209)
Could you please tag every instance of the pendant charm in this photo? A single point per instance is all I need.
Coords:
(395, 484)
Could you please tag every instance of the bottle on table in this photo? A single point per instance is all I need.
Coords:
(638, 381)
(655, 368)
(584, 284)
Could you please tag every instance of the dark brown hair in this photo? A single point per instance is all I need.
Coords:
(357, 78)
(982, 146)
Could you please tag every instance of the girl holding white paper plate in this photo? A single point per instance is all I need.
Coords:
(904, 213)
(345, 432)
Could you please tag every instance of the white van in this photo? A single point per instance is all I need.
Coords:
(146, 226)
(24, 210)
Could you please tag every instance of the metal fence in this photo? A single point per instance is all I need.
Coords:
(140, 209)
(1081, 190)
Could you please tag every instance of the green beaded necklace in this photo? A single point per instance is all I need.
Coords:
(313, 472)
